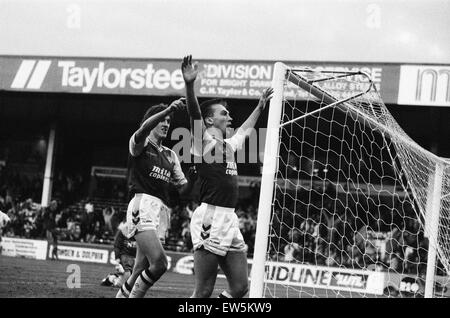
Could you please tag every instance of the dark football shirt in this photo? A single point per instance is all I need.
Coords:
(124, 245)
(217, 173)
(151, 170)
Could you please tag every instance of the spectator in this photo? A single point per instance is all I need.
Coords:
(97, 234)
(394, 262)
(49, 220)
(75, 234)
(320, 255)
(83, 219)
(107, 216)
(89, 207)
(370, 254)
(186, 235)
(331, 258)
(116, 218)
(292, 249)
(190, 208)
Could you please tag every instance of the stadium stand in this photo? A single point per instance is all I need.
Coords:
(95, 221)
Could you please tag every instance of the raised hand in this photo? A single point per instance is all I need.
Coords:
(265, 97)
(178, 104)
(189, 70)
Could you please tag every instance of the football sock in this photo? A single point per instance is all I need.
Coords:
(142, 284)
(225, 294)
(124, 291)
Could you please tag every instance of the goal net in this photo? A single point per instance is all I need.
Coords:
(350, 205)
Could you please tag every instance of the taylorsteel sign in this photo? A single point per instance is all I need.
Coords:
(89, 76)
(163, 77)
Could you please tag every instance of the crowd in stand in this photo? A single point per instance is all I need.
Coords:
(180, 236)
(30, 220)
(342, 239)
(84, 222)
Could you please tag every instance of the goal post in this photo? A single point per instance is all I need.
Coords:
(267, 181)
(339, 171)
(432, 226)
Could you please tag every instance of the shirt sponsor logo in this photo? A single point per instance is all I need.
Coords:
(160, 173)
(231, 168)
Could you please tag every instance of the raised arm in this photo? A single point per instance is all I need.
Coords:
(137, 140)
(152, 121)
(253, 118)
(190, 72)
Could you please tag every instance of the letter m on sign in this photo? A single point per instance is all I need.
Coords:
(31, 74)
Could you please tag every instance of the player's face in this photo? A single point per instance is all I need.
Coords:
(161, 130)
(221, 118)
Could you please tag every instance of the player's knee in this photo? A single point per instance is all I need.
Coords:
(161, 264)
(204, 292)
(239, 290)
(138, 268)
(126, 275)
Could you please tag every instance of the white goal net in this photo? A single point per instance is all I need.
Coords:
(350, 205)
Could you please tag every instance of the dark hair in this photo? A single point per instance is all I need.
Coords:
(206, 107)
(152, 111)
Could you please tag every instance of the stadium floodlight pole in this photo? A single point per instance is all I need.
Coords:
(47, 186)
(267, 181)
(432, 227)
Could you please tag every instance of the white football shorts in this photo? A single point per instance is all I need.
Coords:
(216, 229)
(146, 212)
